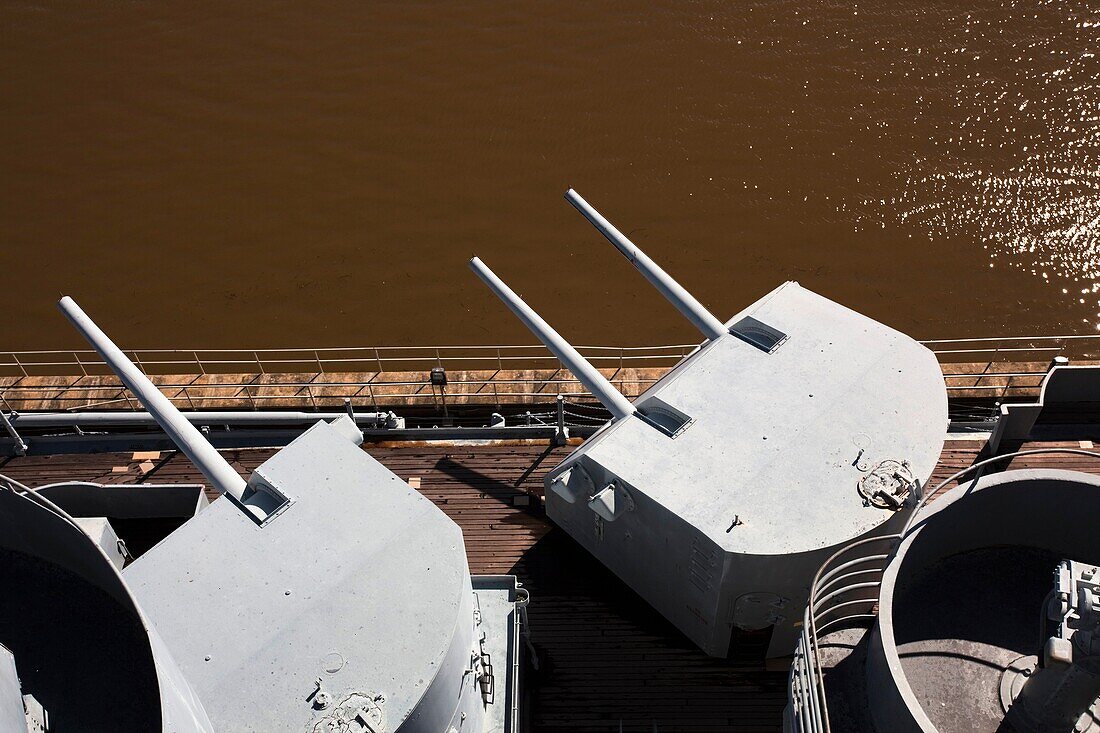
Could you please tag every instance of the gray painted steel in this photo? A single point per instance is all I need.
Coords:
(19, 445)
(721, 519)
(90, 505)
(594, 382)
(1064, 689)
(125, 501)
(256, 417)
(184, 434)
(1044, 509)
(1063, 386)
(13, 718)
(34, 526)
(104, 535)
(360, 581)
(346, 605)
(684, 301)
(276, 437)
(497, 598)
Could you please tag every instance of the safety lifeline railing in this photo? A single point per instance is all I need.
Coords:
(333, 359)
(418, 358)
(295, 393)
(311, 378)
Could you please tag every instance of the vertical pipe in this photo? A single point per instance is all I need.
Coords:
(691, 308)
(596, 383)
(186, 437)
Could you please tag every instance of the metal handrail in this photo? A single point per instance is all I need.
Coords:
(198, 359)
(459, 384)
(808, 710)
(77, 395)
(981, 465)
(333, 356)
(979, 375)
(462, 361)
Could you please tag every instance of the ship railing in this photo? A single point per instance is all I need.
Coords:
(335, 359)
(415, 358)
(284, 389)
(844, 594)
(291, 394)
(484, 371)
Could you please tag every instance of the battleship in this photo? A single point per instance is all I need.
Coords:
(805, 522)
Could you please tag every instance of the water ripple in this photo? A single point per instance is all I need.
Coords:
(1018, 168)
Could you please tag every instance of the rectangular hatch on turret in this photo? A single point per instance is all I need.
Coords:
(759, 334)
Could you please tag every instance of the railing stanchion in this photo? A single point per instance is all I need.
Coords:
(20, 365)
(20, 444)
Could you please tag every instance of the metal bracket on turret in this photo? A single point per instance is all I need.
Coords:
(889, 485)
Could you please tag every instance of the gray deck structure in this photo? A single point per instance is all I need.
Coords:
(361, 584)
(954, 644)
(343, 598)
(604, 654)
(722, 523)
(934, 630)
(796, 427)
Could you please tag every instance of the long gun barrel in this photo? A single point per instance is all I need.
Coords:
(595, 382)
(189, 440)
(692, 309)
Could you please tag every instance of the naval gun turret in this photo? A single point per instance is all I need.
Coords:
(794, 428)
(322, 594)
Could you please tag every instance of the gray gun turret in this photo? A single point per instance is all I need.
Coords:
(795, 428)
(339, 599)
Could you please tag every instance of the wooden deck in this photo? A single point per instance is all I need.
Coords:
(604, 655)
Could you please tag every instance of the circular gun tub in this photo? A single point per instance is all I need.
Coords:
(961, 599)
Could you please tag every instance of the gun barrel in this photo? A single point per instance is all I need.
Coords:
(186, 437)
(595, 382)
(691, 308)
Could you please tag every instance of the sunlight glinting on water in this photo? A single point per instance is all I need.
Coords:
(1035, 100)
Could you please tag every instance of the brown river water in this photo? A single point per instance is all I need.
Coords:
(212, 174)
